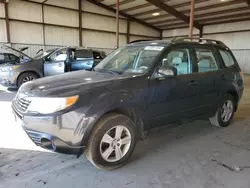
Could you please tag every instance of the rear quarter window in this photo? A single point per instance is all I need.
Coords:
(227, 58)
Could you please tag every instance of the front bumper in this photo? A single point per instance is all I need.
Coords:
(56, 133)
(8, 79)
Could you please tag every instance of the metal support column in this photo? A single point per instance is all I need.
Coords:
(128, 31)
(43, 22)
(117, 22)
(80, 21)
(201, 32)
(7, 22)
(161, 35)
(191, 18)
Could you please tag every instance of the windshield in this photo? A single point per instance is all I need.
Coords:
(43, 54)
(129, 59)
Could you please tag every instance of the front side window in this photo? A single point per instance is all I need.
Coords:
(180, 59)
(60, 55)
(130, 59)
(227, 58)
(206, 60)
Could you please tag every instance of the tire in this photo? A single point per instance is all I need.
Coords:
(218, 119)
(96, 147)
(25, 77)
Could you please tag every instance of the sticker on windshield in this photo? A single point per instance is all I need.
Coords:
(154, 48)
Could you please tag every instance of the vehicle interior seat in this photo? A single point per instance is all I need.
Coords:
(205, 65)
(177, 61)
(182, 67)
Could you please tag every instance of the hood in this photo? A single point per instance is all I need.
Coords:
(67, 84)
(18, 51)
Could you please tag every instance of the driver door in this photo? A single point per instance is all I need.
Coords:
(174, 98)
(55, 64)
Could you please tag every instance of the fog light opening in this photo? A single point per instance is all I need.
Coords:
(48, 144)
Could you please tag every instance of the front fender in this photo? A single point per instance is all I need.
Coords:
(105, 103)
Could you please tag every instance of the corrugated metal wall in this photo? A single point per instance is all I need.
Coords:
(3, 36)
(243, 57)
(62, 26)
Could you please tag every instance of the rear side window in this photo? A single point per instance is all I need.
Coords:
(227, 58)
(1, 57)
(83, 54)
(206, 60)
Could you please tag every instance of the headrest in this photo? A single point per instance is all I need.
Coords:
(177, 60)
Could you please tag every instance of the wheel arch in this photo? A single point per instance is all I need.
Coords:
(28, 71)
(133, 115)
(130, 112)
(235, 96)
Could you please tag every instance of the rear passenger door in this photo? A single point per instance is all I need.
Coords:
(82, 60)
(210, 77)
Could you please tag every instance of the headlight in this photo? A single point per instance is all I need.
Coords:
(10, 68)
(50, 105)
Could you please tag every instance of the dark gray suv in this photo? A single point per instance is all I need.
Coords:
(138, 87)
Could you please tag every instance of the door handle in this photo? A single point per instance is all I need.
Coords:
(223, 77)
(192, 83)
(60, 64)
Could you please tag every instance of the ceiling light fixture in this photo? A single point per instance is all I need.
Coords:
(156, 14)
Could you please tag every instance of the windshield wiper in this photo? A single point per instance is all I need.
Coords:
(108, 71)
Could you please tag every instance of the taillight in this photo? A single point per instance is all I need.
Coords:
(242, 75)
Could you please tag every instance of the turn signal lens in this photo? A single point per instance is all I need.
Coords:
(71, 100)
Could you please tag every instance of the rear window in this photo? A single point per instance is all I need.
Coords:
(227, 58)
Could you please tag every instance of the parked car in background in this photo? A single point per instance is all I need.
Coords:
(10, 55)
(49, 63)
(141, 86)
(8, 58)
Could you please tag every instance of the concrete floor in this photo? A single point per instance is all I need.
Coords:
(193, 155)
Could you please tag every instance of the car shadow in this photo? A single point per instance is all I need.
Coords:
(12, 89)
(170, 135)
(166, 138)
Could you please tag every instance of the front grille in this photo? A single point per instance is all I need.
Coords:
(22, 104)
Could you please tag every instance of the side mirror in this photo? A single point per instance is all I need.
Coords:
(167, 71)
(46, 58)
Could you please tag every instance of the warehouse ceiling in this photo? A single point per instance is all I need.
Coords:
(173, 14)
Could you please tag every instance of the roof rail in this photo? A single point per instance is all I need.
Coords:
(196, 39)
(142, 40)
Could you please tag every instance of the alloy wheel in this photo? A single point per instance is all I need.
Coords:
(227, 111)
(115, 143)
(27, 79)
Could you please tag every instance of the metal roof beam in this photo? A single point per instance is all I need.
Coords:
(173, 11)
(129, 17)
